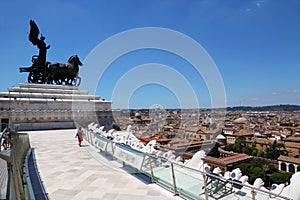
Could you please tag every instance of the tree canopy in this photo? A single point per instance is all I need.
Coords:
(214, 151)
(273, 150)
(279, 177)
(257, 168)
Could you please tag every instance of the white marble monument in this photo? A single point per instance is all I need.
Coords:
(42, 106)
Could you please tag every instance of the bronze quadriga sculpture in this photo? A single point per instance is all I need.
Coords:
(44, 72)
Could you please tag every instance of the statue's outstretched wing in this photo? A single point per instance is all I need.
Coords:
(34, 33)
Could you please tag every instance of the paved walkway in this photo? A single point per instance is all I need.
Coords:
(3, 179)
(72, 172)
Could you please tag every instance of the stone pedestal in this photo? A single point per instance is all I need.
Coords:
(41, 106)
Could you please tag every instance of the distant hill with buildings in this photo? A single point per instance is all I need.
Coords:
(281, 107)
(265, 108)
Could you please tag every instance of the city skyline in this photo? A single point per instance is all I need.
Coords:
(254, 45)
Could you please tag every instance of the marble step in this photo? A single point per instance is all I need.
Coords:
(48, 86)
(47, 90)
(18, 96)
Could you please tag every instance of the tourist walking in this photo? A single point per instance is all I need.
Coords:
(79, 136)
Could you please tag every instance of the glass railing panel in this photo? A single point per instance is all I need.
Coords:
(162, 172)
(19, 149)
(100, 142)
(247, 193)
(218, 187)
(91, 137)
(129, 156)
(87, 135)
(146, 166)
(110, 147)
(189, 182)
(263, 194)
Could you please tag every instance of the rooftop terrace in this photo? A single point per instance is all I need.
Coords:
(120, 172)
(72, 172)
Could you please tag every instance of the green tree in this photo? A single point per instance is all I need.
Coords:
(245, 168)
(253, 172)
(265, 165)
(256, 172)
(229, 147)
(215, 151)
(261, 154)
(257, 168)
(239, 144)
(274, 150)
(245, 150)
(280, 177)
(254, 152)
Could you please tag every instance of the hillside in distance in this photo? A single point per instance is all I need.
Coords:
(286, 108)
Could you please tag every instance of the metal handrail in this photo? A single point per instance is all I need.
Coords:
(244, 185)
(39, 177)
(204, 173)
(17, 188)
(221, 178)
(229, 180)
(28, 180)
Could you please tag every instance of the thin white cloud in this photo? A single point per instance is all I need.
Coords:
(296, 90)
(274, 93)
(255, 4)
(260, 2)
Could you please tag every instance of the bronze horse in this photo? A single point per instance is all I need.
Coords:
(65, 74)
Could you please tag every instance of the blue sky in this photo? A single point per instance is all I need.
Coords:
(255, 44)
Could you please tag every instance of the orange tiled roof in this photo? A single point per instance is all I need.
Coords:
(228, 128)
(229, 160)
(294, 139)
(235, 157)
(289, 159)
(146, 139)
(292, 144)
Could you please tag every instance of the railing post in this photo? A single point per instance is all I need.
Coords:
(174, 181)
(205, 186)
(253, 193)
(151, 170)
(90, 137)
(112, 147)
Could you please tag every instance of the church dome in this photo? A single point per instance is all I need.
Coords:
(240, 120)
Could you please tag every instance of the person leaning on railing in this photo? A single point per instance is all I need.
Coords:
(4, 143)
(6, 139)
